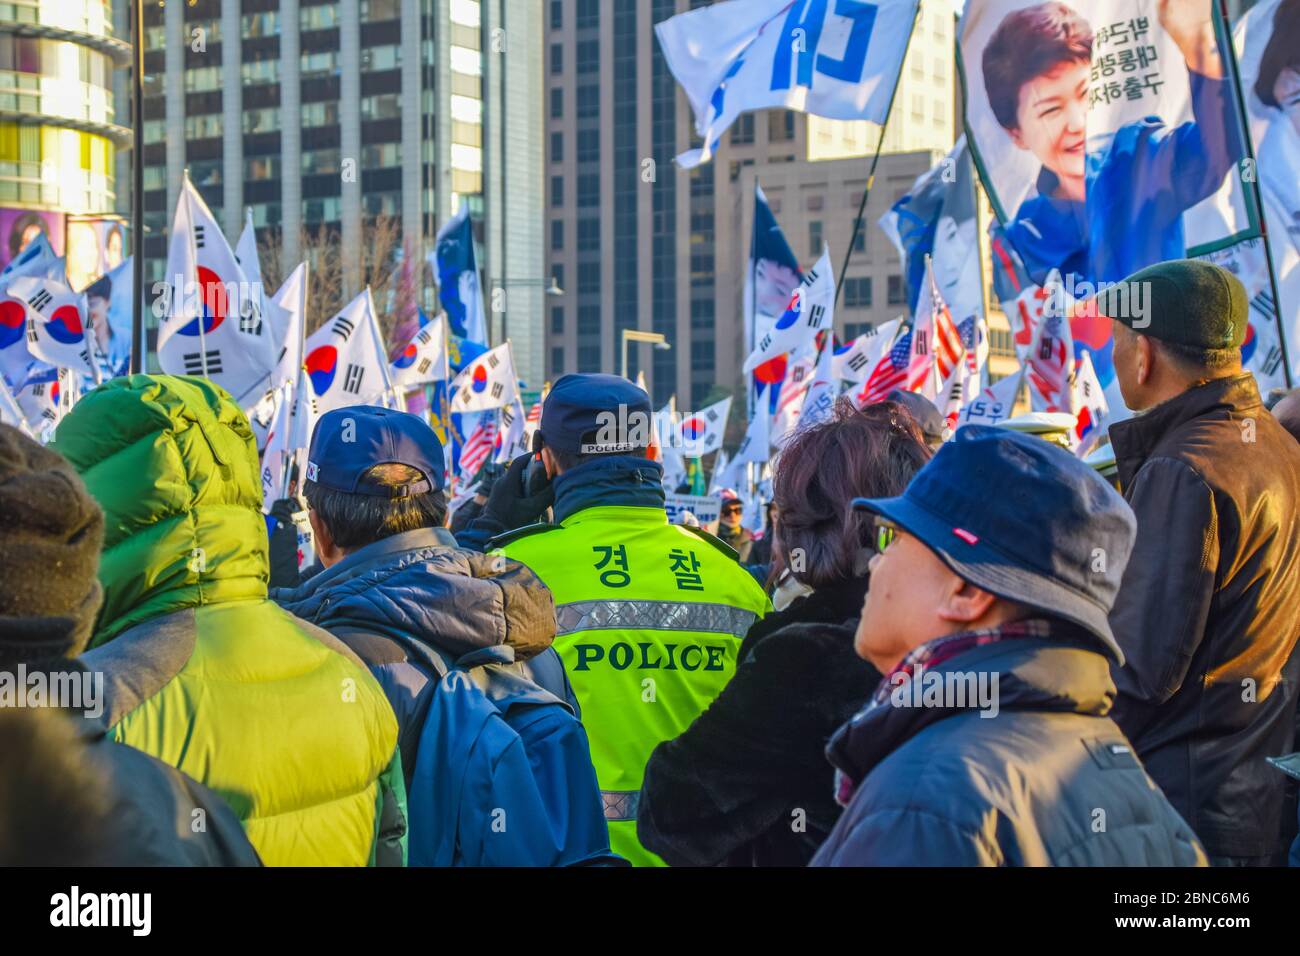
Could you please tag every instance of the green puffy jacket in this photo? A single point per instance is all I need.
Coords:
(201, 670)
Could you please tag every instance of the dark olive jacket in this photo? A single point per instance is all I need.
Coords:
(1209, 610)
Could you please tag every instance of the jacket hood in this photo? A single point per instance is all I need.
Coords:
(173, 463)
(619, 480)
(1045, 675)
(419, 584)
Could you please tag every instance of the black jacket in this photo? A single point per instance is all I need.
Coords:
(1047, 781)
(748, 783)
(147, 813)
(1209, 611)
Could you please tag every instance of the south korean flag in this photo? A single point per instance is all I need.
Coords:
(486, 383)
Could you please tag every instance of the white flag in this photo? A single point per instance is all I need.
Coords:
(789, 402)
(513, 437)
(1089, 405)
(214, 325)
(703, 431)
(288, 318)
(853, 362)
(670, 455)
(1051, 354)
(56, 322)
(47, 397)
(37, 258)
(839, 60)
(993, 404)
(275, 457)
(345, 364)
(825, 388)
(755, 446)
(11, 413)
(811, 309)
(424, 358)
(487, 382)
(720, 475)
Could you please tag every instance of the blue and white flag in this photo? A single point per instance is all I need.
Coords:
(459, 289)
(811, 309)
(937, 219)
(771, 278)
(836, 59)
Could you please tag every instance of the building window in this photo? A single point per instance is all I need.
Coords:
(557, 234)
(589, 189)
(780, 126)
(557, 320)
(742, 133)
(557, 147)
(588, 57)
(557, 103)
(702, 355)
(557, 190)
(815, 237)
(557, 14)
(557, 274)
(588, 145)
(857, 293)
(860, 243)
(588, 277)
(588, 235)
(895, 293)
(815, 203)
(588, 102)
(557, 362)
(589, 358)
(702, 314)
(588, 14)
(557, 58)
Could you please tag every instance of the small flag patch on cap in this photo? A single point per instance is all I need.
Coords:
(313, 470)
(964, 535)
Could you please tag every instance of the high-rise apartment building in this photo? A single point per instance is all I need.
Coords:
(635, 242)
(329, 114)
(60, 128)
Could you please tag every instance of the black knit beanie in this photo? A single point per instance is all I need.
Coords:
(51, 531)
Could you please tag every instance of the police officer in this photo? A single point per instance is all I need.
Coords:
(649, 615)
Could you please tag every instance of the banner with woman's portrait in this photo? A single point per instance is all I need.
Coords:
(1109, 134)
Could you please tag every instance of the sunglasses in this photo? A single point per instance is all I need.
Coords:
(732, 510)
(886, 533)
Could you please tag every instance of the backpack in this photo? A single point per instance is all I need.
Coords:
(503, 773)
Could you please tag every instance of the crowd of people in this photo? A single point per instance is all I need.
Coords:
(964, 652)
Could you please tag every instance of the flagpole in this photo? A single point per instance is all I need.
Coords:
(137, 191)
(1259, 196)
(871, 173)
(379, 341)
(194, 258)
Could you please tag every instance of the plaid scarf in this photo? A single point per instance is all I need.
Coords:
(930, 655)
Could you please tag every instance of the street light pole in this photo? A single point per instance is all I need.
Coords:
(137, 191)
(657, 339)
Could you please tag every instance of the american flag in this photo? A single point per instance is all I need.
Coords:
(479, 446)
(949, 349)
(891, 372)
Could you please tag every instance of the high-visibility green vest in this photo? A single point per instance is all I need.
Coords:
(649, 619)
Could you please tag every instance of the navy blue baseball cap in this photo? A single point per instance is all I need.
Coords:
(579, 409)
(1022, 519)
(348, 442)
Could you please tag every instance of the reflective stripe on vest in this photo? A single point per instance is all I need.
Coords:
(652, 616)
(621, 805)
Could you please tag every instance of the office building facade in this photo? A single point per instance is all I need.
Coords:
(636, 242)
(60, 131)
(330, 114)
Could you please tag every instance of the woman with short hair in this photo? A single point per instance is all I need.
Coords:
(748, 783)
